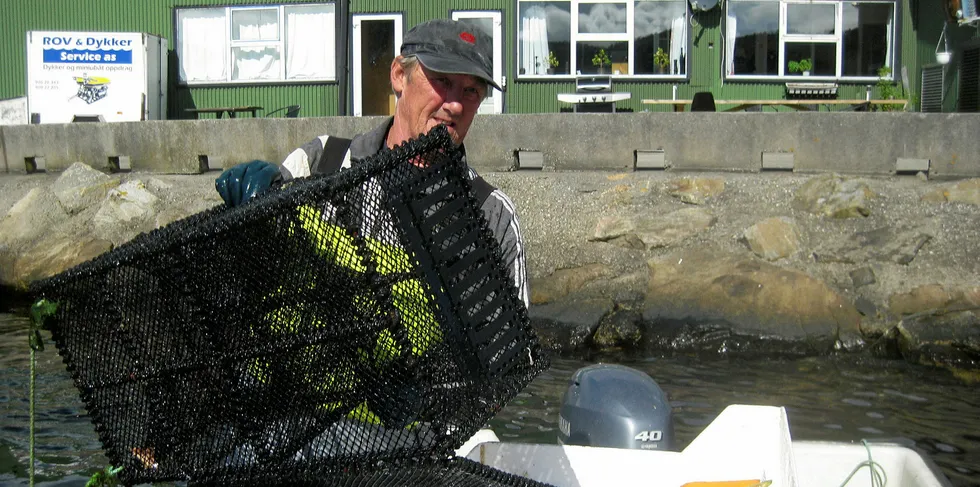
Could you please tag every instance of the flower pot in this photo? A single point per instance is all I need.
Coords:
(943, 57)
(806, 73)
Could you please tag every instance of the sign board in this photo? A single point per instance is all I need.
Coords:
(86, 75)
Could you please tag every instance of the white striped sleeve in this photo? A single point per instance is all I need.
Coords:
(502, 217)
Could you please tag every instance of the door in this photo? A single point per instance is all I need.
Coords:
(489, 22)
(377, 40)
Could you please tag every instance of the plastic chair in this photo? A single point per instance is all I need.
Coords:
(703, 101)
(292, 111)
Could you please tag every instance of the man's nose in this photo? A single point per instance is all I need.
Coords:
(453, 106)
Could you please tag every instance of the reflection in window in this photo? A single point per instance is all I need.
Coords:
(867, 38)
(617, 52)
(823, 56)
(545, 28)
(660, 25)
(811, 19)
(602, 18)
(756, 46)
(754, 33)
(630, 32)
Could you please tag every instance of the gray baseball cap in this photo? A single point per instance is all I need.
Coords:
(448, 46)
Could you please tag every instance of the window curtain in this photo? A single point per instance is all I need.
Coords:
(203, 45)
(678, 44)
(732, 35)
(256, 63)
(534, 42)
(310, 42)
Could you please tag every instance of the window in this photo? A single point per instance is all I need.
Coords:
(852, 39)
(258, 44)
(638, 37)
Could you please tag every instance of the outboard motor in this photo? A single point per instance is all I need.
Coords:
(614, 406)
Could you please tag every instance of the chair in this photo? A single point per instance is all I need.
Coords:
(703, 101)
(292, 111)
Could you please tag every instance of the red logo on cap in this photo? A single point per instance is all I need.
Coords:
(467, 37)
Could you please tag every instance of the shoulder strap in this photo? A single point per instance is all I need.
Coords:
(481, 189)
(332, 157)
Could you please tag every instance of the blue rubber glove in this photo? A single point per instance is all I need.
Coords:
(242, 182)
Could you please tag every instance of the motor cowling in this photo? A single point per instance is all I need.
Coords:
(615, 406)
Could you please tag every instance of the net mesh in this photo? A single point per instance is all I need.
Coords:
(356, 327)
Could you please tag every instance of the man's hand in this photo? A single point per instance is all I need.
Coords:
(242, 182)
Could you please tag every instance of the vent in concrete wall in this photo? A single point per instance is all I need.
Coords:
(528, 159)
(777, 161)
(204, 163)
(649, 159)
(34, 164)
(911, 166)
(119, 164)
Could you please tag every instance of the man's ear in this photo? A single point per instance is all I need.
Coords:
(398, 76)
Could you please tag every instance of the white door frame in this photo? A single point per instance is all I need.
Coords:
(356, 55)
(498, 50)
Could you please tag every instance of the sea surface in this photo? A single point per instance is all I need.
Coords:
(846, 398)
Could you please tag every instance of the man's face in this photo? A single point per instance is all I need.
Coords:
(428, 98)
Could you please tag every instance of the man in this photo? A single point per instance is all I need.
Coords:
(441, 76)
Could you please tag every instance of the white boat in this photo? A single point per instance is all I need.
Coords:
(744, 446)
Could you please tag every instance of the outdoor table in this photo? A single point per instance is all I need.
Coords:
(220, 111)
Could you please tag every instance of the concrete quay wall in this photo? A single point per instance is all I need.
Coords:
(945, 145)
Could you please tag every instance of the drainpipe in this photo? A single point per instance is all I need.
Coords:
(344, 53)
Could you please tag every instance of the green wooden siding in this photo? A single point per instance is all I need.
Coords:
(920, 23)
(153, 17)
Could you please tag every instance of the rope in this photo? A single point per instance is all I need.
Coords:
(31, 440)
(878, 476)
(40, 312)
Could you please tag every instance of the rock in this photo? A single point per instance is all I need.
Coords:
(747, 296)
(967, 191)
(53, 256)
(834, 196)
(696, 191)
(127, 211)
(886, 244)
(932, 297)
(862, 277)
(773, 238)
(942, 338)
(566, 326)
(673, 227)
(610, 227)
(619, 330)
(30, 218)
(80, 187)
(565, 281)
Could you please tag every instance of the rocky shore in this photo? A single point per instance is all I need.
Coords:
(642, 263)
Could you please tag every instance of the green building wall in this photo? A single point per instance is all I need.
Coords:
(152, 17)
(920, 23)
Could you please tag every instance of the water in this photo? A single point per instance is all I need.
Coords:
(842, 399)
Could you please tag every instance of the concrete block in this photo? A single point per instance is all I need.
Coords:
(529, 159)
(778, 161)
(650, 159)
(120, 164)
(906, 165)
(35, 164)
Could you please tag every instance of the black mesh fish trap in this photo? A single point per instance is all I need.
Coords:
(355, 326)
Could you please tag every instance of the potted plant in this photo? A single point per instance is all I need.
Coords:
(661, 59)
(802, 66)
(552, 62)
(601, 59)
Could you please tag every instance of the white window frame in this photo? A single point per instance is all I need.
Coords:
(231, 44)
(575, 37)
(837, 38)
